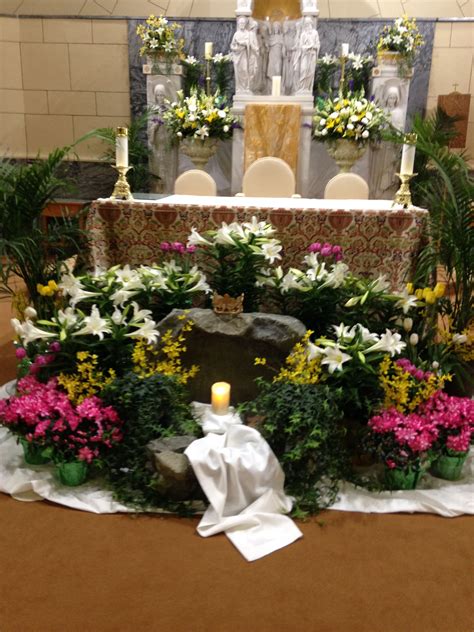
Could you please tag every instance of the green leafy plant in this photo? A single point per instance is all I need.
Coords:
(151, 407)
(29, 251)
(139, 176)
(446, 188)
(303, 425)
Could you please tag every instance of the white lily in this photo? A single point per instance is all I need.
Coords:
(94, 325)
(31, 333)
(139, 315)
(147, 331)
(120, 297)
(406, 301)
(389, 342)
(335, 358)
(366, 335)
(69, 284)
(271, 250)
(344, 332)
(67, 318)
(18, 327)
(195, 239)
(337, 275)
(31, 313)
(223, 235)
(314, 351)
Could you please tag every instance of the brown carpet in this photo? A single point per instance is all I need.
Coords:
(65, 571)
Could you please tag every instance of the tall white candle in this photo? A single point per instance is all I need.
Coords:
(344, 50)
(220, 398)
(276, 86)
(121, 147)
(408, 159)
(208, 46)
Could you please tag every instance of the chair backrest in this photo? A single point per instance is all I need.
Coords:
(269, 177)
(346, 186)
(195, 182)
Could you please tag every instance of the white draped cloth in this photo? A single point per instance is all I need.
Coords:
(244, 484)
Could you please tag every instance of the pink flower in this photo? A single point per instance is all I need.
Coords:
(315, 247)
(20, 353)
(165, 246)
(55, 347)
(86, 454)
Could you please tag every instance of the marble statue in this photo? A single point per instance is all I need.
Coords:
(289, 51)
(306, 57)
(275, 54)
(244, 52)
(391, 101)
(263, 37)
(254, 55)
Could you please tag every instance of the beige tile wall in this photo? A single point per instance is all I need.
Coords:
(60, 78)
(226, 8)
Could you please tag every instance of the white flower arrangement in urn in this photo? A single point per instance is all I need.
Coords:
(158, 37)
(348, 123)
(399, 42)
(199, 121)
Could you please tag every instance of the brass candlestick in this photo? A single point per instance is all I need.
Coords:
(208, 76)
(342, 59)
(403, 195)
(122, 188)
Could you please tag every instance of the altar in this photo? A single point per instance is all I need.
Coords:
(376, 238)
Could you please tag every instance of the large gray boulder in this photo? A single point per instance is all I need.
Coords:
(225, 348)
(175, 477)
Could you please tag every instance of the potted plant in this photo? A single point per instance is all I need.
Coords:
(454, 419)
(50, 425)
(238, 256)
(199, 122)
(29, 251)
(347, 124)
(398, 43)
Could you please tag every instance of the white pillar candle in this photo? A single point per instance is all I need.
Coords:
(276, 86)
(220, 398)
(344, 50)
(408, 159)
(208, 50)
(121, 147)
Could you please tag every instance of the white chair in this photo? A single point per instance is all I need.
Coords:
(346, 186)
(269, 177)
(195, 182)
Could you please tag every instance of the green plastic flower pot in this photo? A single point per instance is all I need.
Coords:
(406, 478)
(34, 454)
(72, 473)
(449, 467)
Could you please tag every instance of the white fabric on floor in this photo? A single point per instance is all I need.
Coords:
(243, 482)
(433, 495)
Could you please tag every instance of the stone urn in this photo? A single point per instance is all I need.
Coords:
(200, 151)
(345, 152)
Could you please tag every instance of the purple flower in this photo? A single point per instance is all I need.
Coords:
(314, 247)
(165, 246)
(55, 347)
(20, 353)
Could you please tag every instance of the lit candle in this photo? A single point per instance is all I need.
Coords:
(276, 86)
(408, 158)
(208, 50)
(220, 398)
(344, 50)
(121, 147)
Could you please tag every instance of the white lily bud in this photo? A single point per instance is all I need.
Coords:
(31, 313)
(414, 339)
(407, 324)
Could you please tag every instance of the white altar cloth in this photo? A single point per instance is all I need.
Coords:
(288, 203)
